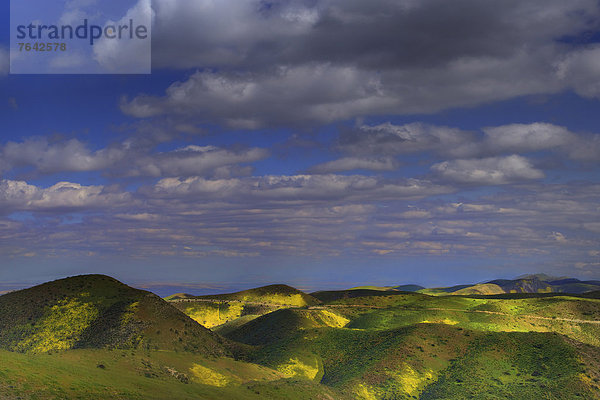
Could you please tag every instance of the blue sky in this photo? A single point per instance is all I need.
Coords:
(316, 143)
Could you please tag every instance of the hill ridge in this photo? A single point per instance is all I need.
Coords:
(97, 311)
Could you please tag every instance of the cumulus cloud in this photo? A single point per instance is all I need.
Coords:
(21, 196)
(353, 163)
(524, 138)
(193, 160)
(127, 55)
(47, 156)
(326, 92)
(50, 157)
(320, 61)
(581, 69)
(390, 139)
(381, 34)
(488, 171)
(318, 93)
(296, 188)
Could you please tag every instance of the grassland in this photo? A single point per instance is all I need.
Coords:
(131, 375)
(93, 338)
(411, 345)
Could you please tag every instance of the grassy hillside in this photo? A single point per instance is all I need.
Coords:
(484, 288)
(100, 312)
(575, 317)
(226, 310)
(140, 375)
(92, 337)
(272, 294)
(281, 323)
(434, 361)
(213, 313)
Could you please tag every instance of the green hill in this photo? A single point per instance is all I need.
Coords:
(483, 288)
(272, 294)
(96, 311)
(280, 323)
(430, 361)
(91, 336)
(216, 311)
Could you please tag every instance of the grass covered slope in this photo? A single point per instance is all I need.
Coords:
(272, 294)
(410, 345)
(352, 344)
(226, 310)
(435, 361)
(281, 323)
(91, 374)
(97, 311)
(213, 313)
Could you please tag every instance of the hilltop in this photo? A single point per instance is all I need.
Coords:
(272, 294)
(97, 311)
(224, 312)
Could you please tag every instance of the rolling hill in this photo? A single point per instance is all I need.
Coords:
(89, 337)
(222, 310)
(272, 294)
(410, 345)
(96, 311)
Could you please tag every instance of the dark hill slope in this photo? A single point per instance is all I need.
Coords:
(97, 311)
(408, 288)
(283, 323)
(328, 296)
(271, 294)
(525, 285)
(534, 284)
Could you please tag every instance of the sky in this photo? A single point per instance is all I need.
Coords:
(318, 143)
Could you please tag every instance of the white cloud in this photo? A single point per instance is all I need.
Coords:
(124, 55)
(21, 196)
(318, 93)
(353, 163)
(581, 70)
(390, 139)
(296, 188)
(48, 157)
(192, 160)
(527, 137)
(124, 160)
(321, 61)
(488, 171)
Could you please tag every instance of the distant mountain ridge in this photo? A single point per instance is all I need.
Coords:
(530, 283)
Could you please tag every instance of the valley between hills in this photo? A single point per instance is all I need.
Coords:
(93, 337)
